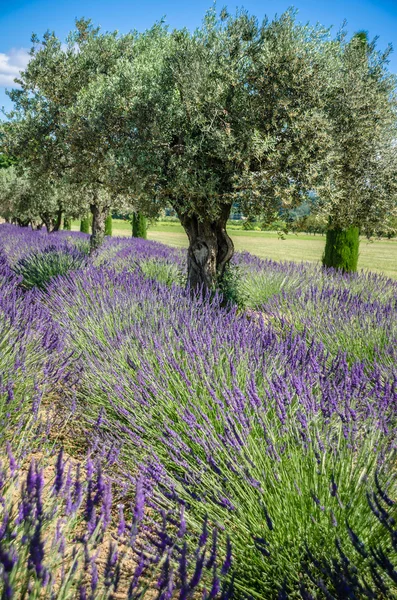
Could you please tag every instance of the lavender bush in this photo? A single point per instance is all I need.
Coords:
(153, 260)
(18, 242)
(362, 328)
(341, 578)
(25, 370)
(37, 268)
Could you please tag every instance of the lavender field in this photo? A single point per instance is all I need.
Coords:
(157, 444)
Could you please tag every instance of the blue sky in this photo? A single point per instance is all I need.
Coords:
(20, 18)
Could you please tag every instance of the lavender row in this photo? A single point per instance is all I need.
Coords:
(59, 537)
(268, 435)
(270, 425)
(26, 372)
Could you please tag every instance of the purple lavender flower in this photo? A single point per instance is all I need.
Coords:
(59, 471)
(82, 592)
(139, 501)
(214, 549)
(121, 525)
(139, 570)
(228, 559)
(36, 551)
(11, 458)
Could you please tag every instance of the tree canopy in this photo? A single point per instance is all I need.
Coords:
(361, 105)
(259, 115)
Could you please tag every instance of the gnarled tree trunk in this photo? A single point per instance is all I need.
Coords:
(210, 249)
(99, 215)
(51, 223)
(58, 221)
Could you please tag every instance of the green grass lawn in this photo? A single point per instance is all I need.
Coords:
(379, 255)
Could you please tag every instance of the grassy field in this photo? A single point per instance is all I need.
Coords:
(379, 255)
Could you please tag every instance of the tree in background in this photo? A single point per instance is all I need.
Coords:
(43, 132)
(28, 200)
(15, 194)
(7, 202)
(341, 248)
(67, 223)
(85, 224)
(139, 225)
(363, 185)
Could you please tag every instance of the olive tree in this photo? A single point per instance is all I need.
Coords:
(362, 191)
(40, 131)
(231, 113)
(13, 190)
(28, 200)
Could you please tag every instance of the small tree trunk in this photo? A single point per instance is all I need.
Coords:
(98, 226)
(47, 221)
(108, 225)
(139, 226)
(341, 249)
(210, 249)
(57, 223)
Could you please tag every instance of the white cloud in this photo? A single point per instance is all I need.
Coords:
(11, 64)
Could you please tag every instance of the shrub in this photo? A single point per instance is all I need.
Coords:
(341, 249)
(249, 225)
(37, 268)
(85, 224)
(230, 286)
(63, 537)
(362, 327)
(162, 271)
(139, 225)
(274, 226)
(340, 578)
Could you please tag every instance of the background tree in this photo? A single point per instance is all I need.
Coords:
(13, 191)
(361, 103)
(85, 224)
(28, 200)
(139, 225)
(41, 126)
